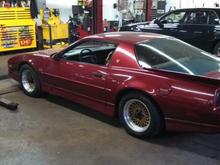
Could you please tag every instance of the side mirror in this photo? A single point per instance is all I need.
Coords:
(158, 23)
(56, 56)
(216, 21)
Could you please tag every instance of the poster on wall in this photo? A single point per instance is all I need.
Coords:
(87, 3)
(122, 5)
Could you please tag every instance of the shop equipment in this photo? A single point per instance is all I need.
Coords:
(55, 33)
(17, 29)
(8, 104)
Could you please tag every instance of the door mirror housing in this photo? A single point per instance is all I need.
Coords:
(56, 56)
(157, 21)
(216, 21)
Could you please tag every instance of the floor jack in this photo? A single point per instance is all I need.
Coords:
(8, 104)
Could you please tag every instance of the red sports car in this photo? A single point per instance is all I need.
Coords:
(152, 82)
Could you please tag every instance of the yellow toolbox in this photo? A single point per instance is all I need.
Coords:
(17, 29)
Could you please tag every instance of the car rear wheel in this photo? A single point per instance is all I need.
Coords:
(30, 82)
(217, 49)
(139, 116)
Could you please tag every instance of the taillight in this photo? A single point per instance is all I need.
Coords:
(217, 100)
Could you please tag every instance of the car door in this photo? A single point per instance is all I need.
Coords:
(167, 24)
(59, 74)
(93, 71)
(197, 29)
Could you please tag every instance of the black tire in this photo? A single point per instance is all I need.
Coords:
(217, 49)
(36, 90)
(155, 125)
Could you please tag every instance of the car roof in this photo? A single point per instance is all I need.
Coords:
(126, 37)
(202, 8)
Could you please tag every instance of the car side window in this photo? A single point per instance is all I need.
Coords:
(175, 17)
(212, 18)
(93, 52)
(149, 58)
(197, 17)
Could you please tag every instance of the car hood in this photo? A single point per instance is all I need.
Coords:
(47, 52)
(139, 23)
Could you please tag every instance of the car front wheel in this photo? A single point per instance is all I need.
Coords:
(30, 82)
(139, 116)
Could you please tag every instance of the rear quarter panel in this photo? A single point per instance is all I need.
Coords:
(181, 97)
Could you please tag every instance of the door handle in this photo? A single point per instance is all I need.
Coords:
(97, 74)
(198, 32)
(183, 31)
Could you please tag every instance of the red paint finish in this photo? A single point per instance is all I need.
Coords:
(186, 102)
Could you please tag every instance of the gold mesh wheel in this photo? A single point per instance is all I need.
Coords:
(136, 115)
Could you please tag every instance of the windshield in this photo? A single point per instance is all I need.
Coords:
(174, 55)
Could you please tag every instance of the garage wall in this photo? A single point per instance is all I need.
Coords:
(41, 4)
(190, 3)
(65, 7)
(109, 12)
(61, 3)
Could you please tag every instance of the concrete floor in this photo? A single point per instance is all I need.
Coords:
(53, 131)
(8, 86)
(4, 64)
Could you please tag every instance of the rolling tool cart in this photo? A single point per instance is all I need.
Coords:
(17, 29)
